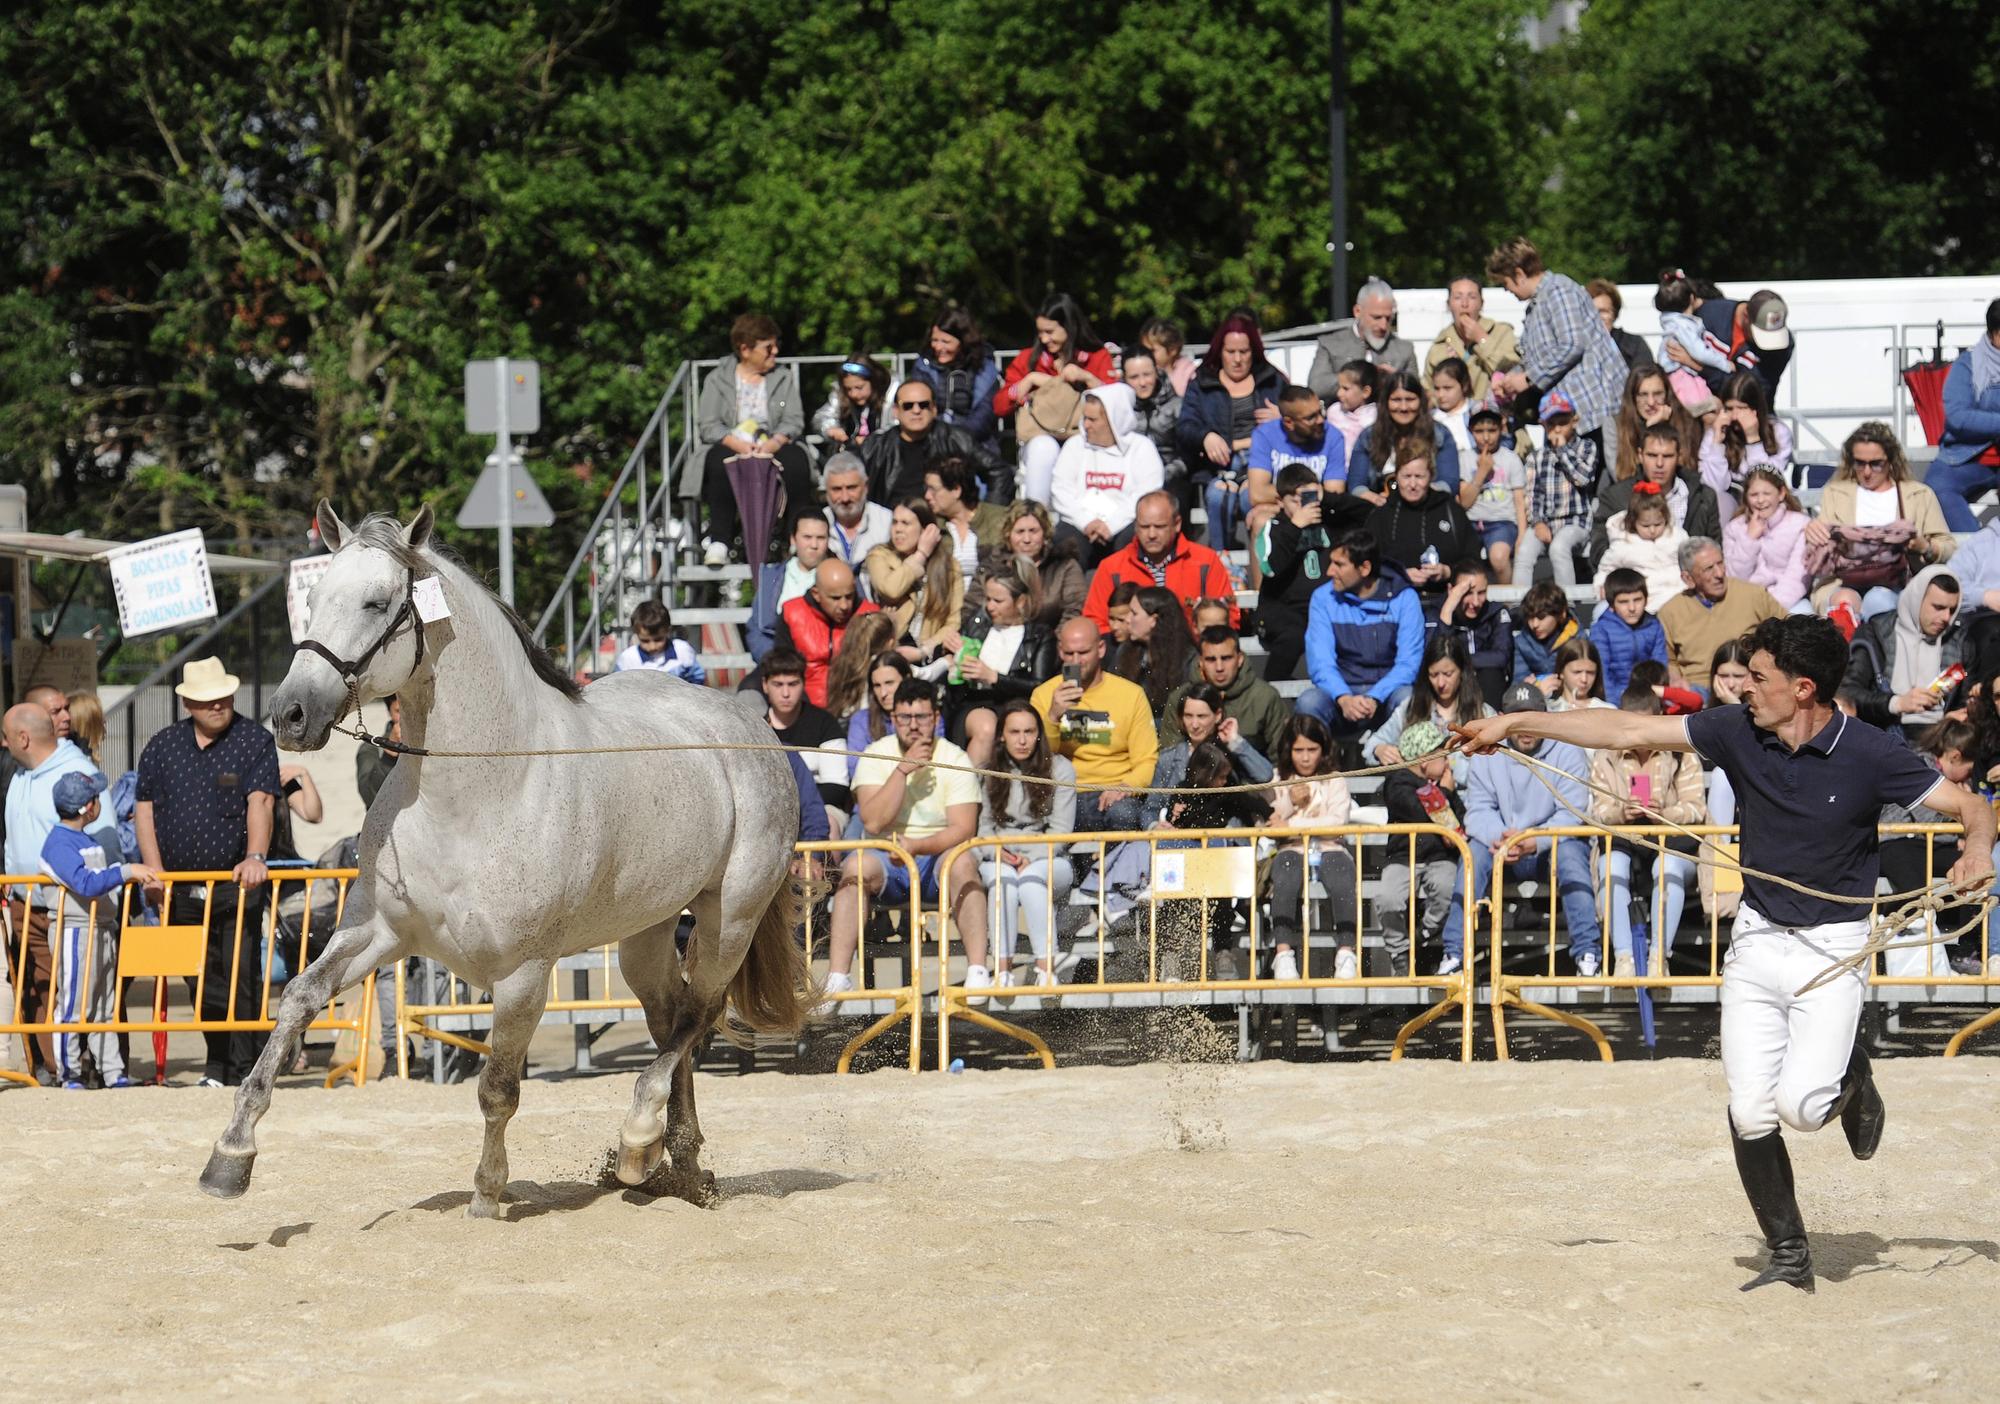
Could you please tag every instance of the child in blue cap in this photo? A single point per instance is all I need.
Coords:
(89, 924)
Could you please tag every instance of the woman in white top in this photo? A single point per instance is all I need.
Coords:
(1102, 473)
(1029, 881)
(1872, 488)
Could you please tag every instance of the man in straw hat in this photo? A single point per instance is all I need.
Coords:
(208, 796)
(1810, 784)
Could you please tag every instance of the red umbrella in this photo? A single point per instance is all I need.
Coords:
(1925, 382)
(755, 481)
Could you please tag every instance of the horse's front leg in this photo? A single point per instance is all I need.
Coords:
(518, 1002)
(353, 952)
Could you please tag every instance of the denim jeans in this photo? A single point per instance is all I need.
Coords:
(1315, 703)
(1679, 878)
(1958, 486)
(1574, 886)
(1226, 508)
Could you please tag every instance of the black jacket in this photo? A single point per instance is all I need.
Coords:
(889, 483)
(1403, 531)
(1205, 409)
(1295, 563)
(1871, 663)
(1399, 797)
(1035, 662)
(1704, 515)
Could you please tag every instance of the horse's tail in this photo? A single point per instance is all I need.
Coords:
(773, 991)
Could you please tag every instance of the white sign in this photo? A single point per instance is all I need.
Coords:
(162, 583)
(428, 595)
(304, 574)
(1169, 871)
(485, 388)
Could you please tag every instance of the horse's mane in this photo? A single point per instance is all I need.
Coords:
(385, 533)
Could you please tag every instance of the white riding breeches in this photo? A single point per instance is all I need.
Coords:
(1784, 1054)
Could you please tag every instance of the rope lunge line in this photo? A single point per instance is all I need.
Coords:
(1884, 927)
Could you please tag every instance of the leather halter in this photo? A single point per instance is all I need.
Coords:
(350, 672)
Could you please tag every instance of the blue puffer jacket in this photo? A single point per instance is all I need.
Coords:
(1205, 411)
(1619, 646)
(949, 384)
(1970, 426)
(1371, 645)
(1361, 467)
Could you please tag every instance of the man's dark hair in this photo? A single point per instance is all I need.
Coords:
(1804, 646)
(1485, 414)
(1469, 567)
(1297, 395)
(651, 617)
(1220, 634)
(1361, 547)
(1623, 581)
(915, 690)
(1947, 583)
(783, 663)
(1993, 316)
(954, 474)
(1665, 432)
(1295, 477)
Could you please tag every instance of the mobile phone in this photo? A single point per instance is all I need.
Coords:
(1642, 789)
(1309, 497)
(1073, 672)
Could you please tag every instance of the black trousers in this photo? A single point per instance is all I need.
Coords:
(1332, 913)
(725, 521)
(1284, 646)
(230, 1055)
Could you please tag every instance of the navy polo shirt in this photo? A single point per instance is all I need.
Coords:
(1810, 814)
(201, 794)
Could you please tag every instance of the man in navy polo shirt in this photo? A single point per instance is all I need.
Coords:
(1810, 782)
(208, 797)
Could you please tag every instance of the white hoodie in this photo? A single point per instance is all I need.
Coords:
(1105, 484)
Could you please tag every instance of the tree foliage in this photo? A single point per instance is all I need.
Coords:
(253, 247)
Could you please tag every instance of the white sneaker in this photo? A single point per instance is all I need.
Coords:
(837, 982)
(1623, 967)
(978, 977)
(1450, 965)
(1045, 978)
(714, 553)
(1587, 965)
(1285, 967)
(1343, 965)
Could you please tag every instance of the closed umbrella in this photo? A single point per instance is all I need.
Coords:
(755, 481)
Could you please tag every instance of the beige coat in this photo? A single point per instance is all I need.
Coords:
(1497, 351)
(897, 583)
(1679, 792)
(1920, 505)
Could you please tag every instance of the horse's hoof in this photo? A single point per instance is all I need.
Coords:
(227, 1174)
(636, 1164)
(482, 1208)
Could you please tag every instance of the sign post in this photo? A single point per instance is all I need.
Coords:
(501, 397)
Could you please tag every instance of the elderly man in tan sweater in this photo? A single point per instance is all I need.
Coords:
(1712, 610)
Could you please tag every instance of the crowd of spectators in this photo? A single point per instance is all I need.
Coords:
(1357, 527)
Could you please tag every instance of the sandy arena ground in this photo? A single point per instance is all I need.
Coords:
(1369, 1232)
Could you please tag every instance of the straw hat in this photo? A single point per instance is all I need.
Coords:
(205, 680)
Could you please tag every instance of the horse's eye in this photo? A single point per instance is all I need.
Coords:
(377, 606)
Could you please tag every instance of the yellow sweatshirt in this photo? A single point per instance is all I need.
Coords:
(1108, 735)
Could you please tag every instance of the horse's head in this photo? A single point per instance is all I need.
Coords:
(365, 630)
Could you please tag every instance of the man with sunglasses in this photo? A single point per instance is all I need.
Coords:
(1298, 435)
(897, 462)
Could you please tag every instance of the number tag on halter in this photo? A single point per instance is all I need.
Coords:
(428, 594)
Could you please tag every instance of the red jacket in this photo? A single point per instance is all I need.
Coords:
(1032, 358)
(804, 628)
(1193, 572)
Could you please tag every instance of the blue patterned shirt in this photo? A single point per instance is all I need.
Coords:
(1564, 346)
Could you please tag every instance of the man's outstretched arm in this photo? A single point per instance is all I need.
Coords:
(1595, 728)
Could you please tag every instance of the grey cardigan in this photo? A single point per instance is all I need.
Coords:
(715, 415)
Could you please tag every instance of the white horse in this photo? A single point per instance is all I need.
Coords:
(499, 867)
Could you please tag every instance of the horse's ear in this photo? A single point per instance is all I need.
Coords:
(418, 532)
(332, 531)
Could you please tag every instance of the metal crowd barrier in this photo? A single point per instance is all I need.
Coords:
(1212, 868)
(162, 953)
(1916, 973)
(598, 991)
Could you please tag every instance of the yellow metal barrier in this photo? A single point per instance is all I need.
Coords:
(166, 952)
(421, 1020)
(1651, 841)
(1205, 866)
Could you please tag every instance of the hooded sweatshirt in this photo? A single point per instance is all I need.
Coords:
(1097, 483)
(1890, 656)
(1366, 644)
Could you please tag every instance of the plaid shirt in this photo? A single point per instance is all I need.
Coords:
(1563, 488)
(1564, 346)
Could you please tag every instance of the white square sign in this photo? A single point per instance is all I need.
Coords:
(304, 574)
(162, 584)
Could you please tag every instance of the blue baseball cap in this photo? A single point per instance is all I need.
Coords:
(74, 792)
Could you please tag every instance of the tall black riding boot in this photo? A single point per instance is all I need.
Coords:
(1859, 1106)
(1766, 1171)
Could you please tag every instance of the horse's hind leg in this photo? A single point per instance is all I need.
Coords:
(518, 1002)
(677, 1016)
(351, 953)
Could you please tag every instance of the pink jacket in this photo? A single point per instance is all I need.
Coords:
(1776, 560)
